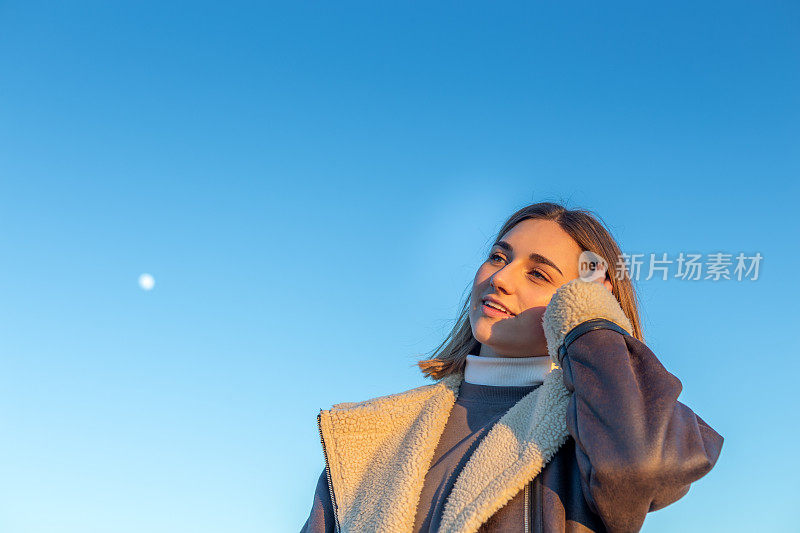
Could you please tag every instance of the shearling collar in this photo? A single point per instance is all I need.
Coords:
(379, 451)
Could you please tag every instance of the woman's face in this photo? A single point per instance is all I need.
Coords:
(523, 285)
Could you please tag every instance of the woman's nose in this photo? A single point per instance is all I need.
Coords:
(498, 283)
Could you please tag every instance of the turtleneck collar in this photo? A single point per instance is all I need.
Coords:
(506, 371)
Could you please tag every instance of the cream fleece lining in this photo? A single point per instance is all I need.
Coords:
(379, 450)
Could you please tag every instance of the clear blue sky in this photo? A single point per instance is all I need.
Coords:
(312, 186)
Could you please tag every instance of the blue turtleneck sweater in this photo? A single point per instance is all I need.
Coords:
(477, 408)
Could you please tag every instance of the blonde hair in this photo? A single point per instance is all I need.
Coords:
(591, 234)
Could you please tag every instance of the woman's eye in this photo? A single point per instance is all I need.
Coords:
(495, 257)
(541, 276)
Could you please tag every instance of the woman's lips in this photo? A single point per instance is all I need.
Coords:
(491, 311)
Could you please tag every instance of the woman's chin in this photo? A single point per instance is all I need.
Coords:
(488, 334)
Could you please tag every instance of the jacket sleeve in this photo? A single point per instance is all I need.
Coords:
(320, 520)
(638, 448)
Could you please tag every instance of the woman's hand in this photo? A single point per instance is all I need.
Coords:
(575, 302)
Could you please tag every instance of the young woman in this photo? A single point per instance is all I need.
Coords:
(548, 412)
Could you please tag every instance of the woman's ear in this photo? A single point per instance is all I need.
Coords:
(607, 283)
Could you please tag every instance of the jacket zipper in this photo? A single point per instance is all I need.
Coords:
(527, 513)
(328, 472)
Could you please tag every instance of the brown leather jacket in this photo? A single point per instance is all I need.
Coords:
(626, 447)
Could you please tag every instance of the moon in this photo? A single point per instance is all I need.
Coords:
(146, 282)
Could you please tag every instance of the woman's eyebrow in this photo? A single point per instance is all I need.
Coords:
(539, 258)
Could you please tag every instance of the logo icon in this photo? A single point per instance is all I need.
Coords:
(591, 266)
